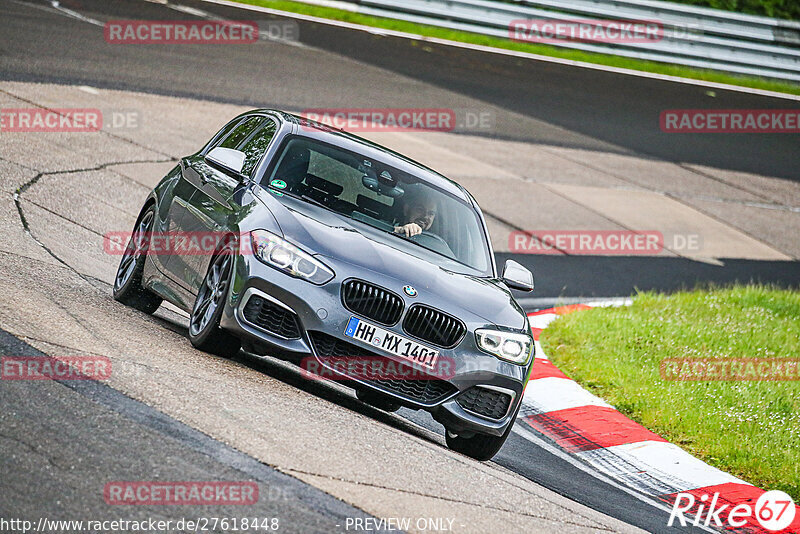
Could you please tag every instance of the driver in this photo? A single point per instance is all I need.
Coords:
(419, 211)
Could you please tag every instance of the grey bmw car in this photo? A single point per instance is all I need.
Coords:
(318, 246)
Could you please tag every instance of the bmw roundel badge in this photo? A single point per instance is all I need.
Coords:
(410, 291)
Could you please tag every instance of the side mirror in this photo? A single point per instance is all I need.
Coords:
(227, 159)
(517, 277)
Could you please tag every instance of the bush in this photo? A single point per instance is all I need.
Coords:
(782, 9)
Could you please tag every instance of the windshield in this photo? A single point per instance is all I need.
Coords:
(382, 197)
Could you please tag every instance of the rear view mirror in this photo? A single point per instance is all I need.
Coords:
(380, 186)
(227, 159)
(517, 277)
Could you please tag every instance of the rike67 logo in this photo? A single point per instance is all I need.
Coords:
(773, 511)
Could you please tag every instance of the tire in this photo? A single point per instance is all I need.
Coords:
(481, 447)
(377, 400)
(128, 281)
(204, 331)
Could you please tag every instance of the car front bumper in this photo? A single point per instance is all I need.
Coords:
(319, 310)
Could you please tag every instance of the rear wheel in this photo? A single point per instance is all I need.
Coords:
(128, 282)
(204, 330)
(480, 446)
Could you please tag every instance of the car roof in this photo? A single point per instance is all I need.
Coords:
(348, 141)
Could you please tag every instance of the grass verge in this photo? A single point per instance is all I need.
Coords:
(533, 48)
(749, 429)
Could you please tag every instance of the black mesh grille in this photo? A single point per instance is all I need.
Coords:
(430, 391)
(433, 326)
(486, 402)
(380, 305)
(271, 317)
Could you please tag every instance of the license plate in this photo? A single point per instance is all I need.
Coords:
(390, 342)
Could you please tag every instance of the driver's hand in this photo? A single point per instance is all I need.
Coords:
(408, 230)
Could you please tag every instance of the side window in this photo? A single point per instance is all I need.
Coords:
(241, 132)
(256, 144)
(220, 136)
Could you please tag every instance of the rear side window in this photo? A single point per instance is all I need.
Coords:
(256, 144)
(240, 134)
(251, 136)
(217, 139)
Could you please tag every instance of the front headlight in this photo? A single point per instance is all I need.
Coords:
(282, 255)
(515, 348)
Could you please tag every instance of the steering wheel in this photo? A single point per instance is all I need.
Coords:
(433, 242)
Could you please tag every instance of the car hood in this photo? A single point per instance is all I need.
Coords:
(325, 233)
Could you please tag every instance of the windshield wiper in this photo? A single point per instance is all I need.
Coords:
(316, 202)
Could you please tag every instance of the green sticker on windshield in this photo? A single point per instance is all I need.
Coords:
(278, 184)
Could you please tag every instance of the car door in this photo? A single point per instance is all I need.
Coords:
(212, 209)
(174, 213)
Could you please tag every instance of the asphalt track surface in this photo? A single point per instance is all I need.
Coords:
(606, 111)
(534, 103)
(54, 452)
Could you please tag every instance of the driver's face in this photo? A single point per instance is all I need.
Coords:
(422, 213)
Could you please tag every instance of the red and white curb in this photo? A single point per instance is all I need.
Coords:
(588, 429)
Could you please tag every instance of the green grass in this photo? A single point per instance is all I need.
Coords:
(749, 429)
(533, 48)
(784, 9)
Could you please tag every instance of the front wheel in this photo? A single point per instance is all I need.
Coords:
(204, 330)
(128, 281)
(481, 447)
